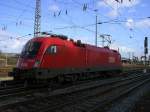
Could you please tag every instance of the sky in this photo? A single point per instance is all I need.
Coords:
(127, 22)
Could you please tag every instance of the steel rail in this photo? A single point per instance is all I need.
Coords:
(77, 99)
(60, 102)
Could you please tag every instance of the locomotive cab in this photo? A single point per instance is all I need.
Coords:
(36, 57)
(30, 55)
(29, 60)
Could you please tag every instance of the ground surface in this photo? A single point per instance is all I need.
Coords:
(143, 104)
(3, 74)
(6, 78)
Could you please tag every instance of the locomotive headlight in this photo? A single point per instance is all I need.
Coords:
(36, 64)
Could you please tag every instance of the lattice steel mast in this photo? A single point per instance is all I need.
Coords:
(37, 21)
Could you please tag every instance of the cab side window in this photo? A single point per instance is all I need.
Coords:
(52, 49)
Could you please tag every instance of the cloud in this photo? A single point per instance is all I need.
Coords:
(5, 34)
(115, 6)
(113, 13)
(18, 44)
(143, 23)
(100, 3)
(54, 8)
(144, 5)
(10, 43)
(124, 50)
(127, 3)
(130, 23)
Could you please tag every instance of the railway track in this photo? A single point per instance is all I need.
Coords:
(92, 99)
(83, 97)
(12, 88)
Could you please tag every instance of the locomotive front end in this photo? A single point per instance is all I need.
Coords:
(28, 61)
(30, 56)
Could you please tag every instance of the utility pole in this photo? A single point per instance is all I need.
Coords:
(145, 47)
(129, 56)
(37, 21)
(103, 41)
(145, 51)
(96, 28)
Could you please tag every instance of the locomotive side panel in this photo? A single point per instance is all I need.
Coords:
(115, 61)
(76, 57)
(103, 59)
(97, 58)
(65, 56)
(53, 57)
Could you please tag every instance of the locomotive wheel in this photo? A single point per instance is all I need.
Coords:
(71, 78)
(61, 79)
(25, 83)
(74, 78)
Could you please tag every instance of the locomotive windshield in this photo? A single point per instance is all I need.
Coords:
(30, 49)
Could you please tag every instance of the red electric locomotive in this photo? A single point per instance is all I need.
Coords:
(54, 56)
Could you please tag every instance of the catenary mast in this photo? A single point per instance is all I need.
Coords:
(37, 21)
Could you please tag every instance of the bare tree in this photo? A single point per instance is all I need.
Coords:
(0, 52)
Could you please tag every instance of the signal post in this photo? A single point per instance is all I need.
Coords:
(145, 52)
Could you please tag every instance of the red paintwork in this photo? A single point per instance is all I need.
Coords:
(70, 55)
